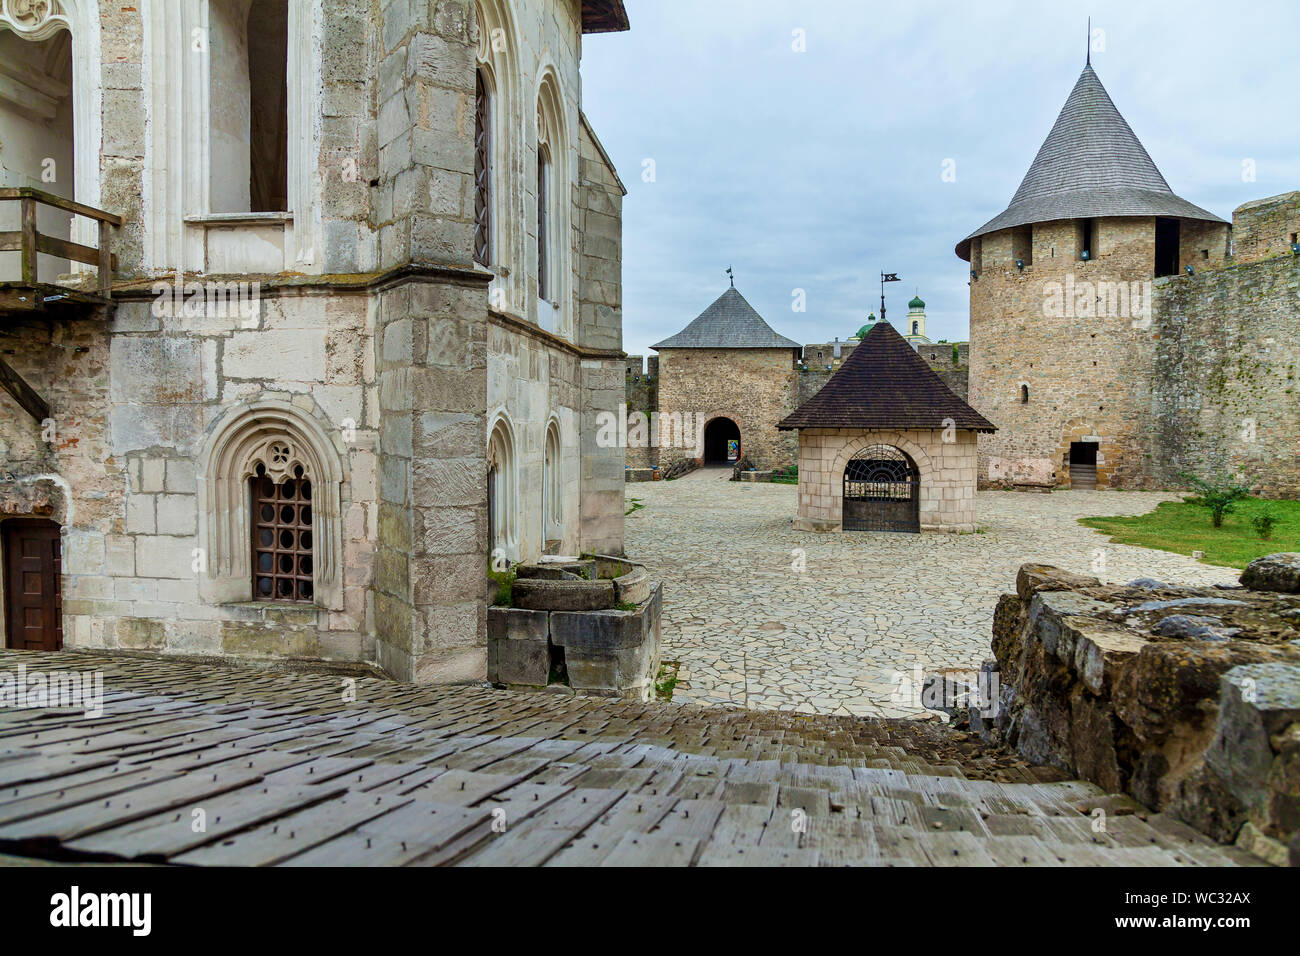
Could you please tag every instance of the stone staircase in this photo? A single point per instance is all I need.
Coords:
(290, 772)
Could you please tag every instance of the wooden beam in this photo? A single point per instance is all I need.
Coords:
(23, 394)
(29, 241)
(49, 199)
(75, 250)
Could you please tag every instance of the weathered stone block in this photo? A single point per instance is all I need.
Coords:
(518, 649)
(544, 595)
(1274, 572)
(1032, 578)
(1257, 702)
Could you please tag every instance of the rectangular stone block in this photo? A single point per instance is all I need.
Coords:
(518, 649)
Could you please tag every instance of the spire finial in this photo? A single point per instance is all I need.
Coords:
(1087, 57)
(732, 276)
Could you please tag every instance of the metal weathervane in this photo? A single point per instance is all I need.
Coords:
(885, 277)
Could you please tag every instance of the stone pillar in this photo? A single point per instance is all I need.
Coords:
(432, 359)
(431, 352)
(601, 527)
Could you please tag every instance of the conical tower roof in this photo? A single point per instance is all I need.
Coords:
(885, 384)
(729, 323)
(1091, 164)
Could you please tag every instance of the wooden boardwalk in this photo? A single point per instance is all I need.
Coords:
(200, 764)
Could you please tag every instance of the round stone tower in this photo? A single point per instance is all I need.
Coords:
(1060, 286)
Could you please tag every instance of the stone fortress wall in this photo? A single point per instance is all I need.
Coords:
(1201, 375)
(1222, 390)
(644, 394)
(755, 388)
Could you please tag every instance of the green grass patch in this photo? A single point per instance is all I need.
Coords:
(637, 505)
(1184, 527)
(505, 581)
(666, 680)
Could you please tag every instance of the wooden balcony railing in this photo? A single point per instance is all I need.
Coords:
(30, 243)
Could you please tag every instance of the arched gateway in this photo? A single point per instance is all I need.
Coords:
(721, 442)
(882, 491)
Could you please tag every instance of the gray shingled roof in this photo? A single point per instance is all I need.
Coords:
(1091, 164)
(729, 323)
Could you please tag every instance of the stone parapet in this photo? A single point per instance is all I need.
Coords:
(1188, 699)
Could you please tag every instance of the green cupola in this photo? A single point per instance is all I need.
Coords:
(862, 332)
(916, 303)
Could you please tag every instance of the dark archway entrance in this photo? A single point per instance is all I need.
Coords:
(33, 591)
(882, 491)
(1083, 465)
(721, 442)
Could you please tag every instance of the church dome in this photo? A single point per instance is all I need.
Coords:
(862, 332)
(916, 303)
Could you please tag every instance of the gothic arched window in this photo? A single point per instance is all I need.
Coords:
(270, 507)
(482, 170)
(502, 500)
(552, 485)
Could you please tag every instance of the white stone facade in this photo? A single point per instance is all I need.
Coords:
(946, 470)
(349, 341)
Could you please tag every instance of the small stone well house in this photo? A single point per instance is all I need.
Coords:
(886, 445)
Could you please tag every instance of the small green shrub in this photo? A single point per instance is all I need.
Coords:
(1219, 495)
(1263, 521)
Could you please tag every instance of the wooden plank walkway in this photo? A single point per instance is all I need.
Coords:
(198, 764)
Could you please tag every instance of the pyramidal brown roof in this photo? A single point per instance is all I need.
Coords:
(884, 383)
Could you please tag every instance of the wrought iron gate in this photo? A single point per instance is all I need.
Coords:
(882, 491)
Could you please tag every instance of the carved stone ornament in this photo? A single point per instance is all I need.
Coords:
(33, 19)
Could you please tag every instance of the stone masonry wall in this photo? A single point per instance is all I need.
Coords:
(599, 218)
(390, 368)
(755, 388)
(1084, 355)
(533, 380)
(133, 409)
(946, 471)
(1265, 228)
(1202, 383)
(1223, 396)
(641, 393)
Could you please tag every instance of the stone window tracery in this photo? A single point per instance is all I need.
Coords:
(482, 170)
(270, 499)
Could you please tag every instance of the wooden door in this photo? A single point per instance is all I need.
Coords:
(33, 595)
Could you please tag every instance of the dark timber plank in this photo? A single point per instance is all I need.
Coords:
(281, 839)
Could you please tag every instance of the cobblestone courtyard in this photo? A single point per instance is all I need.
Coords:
(869, 607)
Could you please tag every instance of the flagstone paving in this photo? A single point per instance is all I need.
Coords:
(867, 609)
(201, 763)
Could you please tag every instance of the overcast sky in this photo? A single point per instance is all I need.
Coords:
(817, 170)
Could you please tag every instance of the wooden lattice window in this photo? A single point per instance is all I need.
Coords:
(482, 172)
(283, 565)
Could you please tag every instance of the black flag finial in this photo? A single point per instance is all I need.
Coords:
(1087, 50)
(732, 276)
